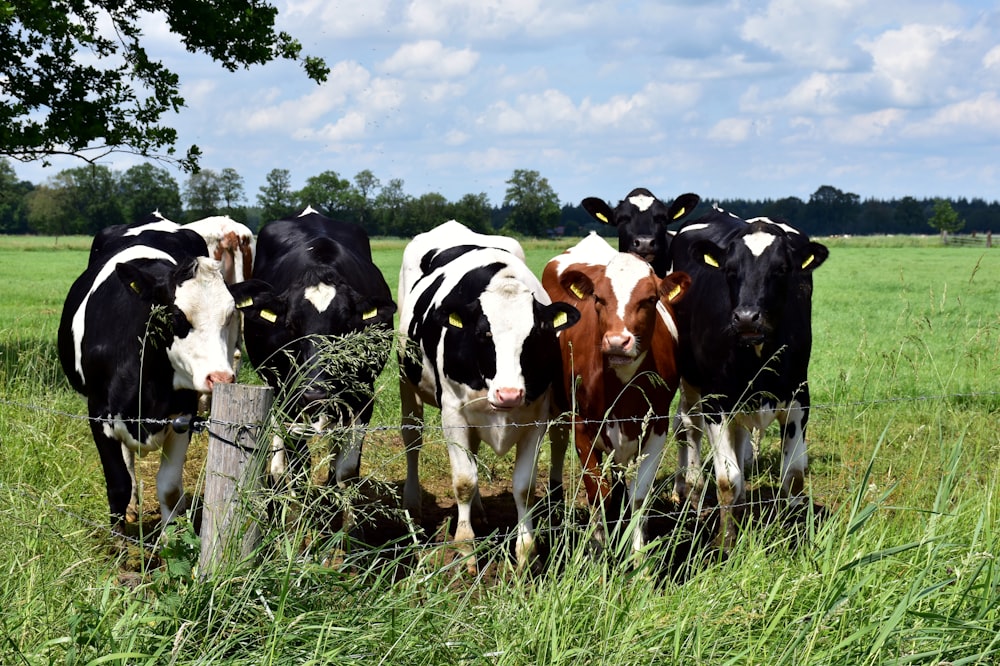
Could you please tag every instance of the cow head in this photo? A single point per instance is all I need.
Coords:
(642, 221)
(193, 318)
(301, 335)
(626, 298)
(503, 341)
(762, 265)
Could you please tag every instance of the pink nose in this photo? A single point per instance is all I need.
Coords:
(506, 398)
(214, 378)
(617, 342)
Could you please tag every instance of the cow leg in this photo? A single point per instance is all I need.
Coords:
(132, 513)
(116, 473)
(525, 469)
(169, 478)
(649, 457)
(725, 439)
(465, 483)
(412, 408)
(689, 424)
(793, 451)
(594, 482)
(558, 443)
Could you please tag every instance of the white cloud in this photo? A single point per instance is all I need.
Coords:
(350, 127)
(810, 34)
(978, 119)
(910, 63)
(429, 59)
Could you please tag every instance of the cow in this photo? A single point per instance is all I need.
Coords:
(320, 289)
(746, 336)
(478, 341)
(229, 242)
(619, 371)
(147, 327)
(641, 220)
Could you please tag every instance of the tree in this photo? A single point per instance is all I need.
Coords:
(332, 195)
(390, 208)
(367, 185)
(276, 198)
(831, 211)
(473, 210)
(232, 193)
(424, 213)
(13, 211)
(908, 217)
(47, 211)
(145, 188)
(90, 196)
(203, 194)
(945, 219)
(534, 204)
(78, 81)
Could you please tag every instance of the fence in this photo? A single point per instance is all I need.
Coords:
(238, 425)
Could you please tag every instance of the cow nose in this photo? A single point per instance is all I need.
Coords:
(506, 398)
(746, 319)
(618, 342)
(223, 377)
(643, 244)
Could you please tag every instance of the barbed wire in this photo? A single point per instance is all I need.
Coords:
(199, 423)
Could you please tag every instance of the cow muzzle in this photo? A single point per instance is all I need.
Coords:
(219, 377)
(750, 326)
(504, 399)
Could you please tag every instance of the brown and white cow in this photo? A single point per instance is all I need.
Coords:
(230, 243)
(619, 371)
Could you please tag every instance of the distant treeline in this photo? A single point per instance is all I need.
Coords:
(84, 200)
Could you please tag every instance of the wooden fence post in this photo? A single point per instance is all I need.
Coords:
(233, 474)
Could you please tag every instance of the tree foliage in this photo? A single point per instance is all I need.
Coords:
(78, 80)
(145, 188)
(945, 219)
(276, 198)
(534, 204)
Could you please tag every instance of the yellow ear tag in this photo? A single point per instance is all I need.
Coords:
(245, 303)
(455, 320)
(575, 288)
(560, 319)
(674, 293)
(134, 285)
(603, 218)
(680, 213)
(370, 313)
(268, 315)
(808, 261)
(710, 260)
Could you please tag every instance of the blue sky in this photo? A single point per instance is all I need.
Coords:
(883, 98)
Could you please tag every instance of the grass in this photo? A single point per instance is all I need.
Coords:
(899, 568)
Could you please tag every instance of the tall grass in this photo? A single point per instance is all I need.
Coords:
(895, 565)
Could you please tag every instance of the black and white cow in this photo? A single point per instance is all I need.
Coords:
(641, 220)
(477, 340)
(148, 326)
(321, 286)
(745, 340)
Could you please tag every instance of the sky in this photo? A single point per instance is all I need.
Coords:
(727, 99)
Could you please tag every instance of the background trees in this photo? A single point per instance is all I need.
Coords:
(86, 199)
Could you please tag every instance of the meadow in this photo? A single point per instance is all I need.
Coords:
(895, 564)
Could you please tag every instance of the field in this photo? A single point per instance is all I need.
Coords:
(895, 564)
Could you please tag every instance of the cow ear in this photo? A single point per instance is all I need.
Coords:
(682, 206)
(560, 315)
(143, 283)
(373, 311)
(706, 253)
(257, 301)
(814, 255)
(674, 286)
(598, 209)
(577, 284)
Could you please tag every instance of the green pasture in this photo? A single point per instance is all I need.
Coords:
(897, 565)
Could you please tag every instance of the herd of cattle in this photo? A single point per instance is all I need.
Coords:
(593, 352)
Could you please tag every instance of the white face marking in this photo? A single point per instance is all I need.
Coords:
(208, 347)
(667, 319)
(79, 317)
(320, 295)
(508, 305)
(624, 272)
(641, 201)
(308, 210)
(758, 241)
